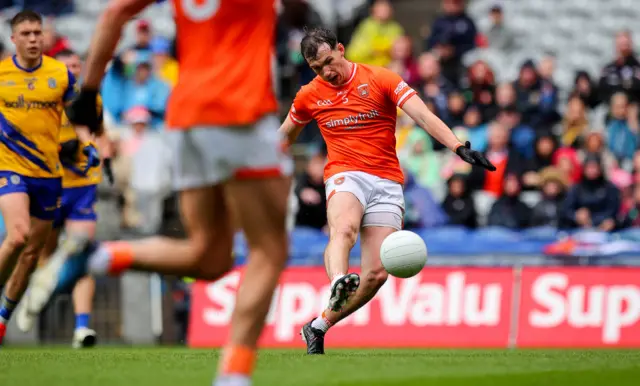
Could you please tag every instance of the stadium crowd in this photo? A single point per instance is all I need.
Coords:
(560, 163)
(566, 158)
(581, 168)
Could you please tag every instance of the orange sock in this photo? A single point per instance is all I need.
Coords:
(238, 360)
(326, 320)
(121, 256)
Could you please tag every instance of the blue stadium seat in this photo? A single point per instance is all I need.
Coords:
(631, 234)
(307, 243)
(491, 240)
(306, 234)
(497, 234)
(448, 234)
(546, 233)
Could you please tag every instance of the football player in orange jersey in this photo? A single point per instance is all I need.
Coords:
(355, 106)
(223, 127)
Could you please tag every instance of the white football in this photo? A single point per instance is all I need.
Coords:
(403, 254)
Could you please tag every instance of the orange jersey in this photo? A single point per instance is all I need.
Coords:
(357, 120)
(225, 56)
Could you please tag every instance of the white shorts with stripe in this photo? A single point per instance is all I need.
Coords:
(382, 200)
(208, 155)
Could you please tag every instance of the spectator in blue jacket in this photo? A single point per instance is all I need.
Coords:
(145, 89)
(522, 136)
(421, 209)
(121, 93)
(593, 202)
(454, 26)
(622, 128)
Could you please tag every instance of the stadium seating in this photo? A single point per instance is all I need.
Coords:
(79, 26)
(581, 33)
(488, 245)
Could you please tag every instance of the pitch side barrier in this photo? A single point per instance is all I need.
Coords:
(564, 307)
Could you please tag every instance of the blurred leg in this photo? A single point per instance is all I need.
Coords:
(261, 208)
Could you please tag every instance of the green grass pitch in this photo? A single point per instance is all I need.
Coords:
(177, 366)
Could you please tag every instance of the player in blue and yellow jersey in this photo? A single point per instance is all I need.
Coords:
(33, 91)
(82, 172)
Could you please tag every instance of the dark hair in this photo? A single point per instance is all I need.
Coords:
(314, 38)
(26, 15)
(65, 53)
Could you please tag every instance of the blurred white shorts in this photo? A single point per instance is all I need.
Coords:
(208, 155)
(381, 199)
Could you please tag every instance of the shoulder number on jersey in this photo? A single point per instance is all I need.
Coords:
(200, 10)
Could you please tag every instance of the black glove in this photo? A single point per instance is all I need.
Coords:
(68, 152)
(84, 111)
(108, 171)
(474, 157)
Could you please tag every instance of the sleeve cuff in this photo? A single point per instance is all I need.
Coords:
(405, 97)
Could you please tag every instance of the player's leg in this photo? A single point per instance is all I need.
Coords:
(15, 213)
(26, 264)
(80, 218)
(373, 275)
(261, 207)
(206, 252)
(50, 245)
(382, 217)
(84, 290)
(24, 319)
(344, 214)
(82, 295)
(41, 201)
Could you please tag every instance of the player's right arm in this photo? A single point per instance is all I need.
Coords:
(82, 110)
(297, 118)
(107, 34)
(289, 130)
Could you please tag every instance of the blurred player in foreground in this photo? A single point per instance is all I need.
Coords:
(34, 90)
(82, 172)
(223, 126)
(355, 106)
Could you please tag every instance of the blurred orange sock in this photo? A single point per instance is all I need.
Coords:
(121, 256)
(237, 360)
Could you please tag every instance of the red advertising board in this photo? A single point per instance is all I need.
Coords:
(579, 307)
(446, 307)
(440, 307)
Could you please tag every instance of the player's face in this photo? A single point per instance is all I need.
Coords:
(73, 63)
(28, 39)
(330, 64)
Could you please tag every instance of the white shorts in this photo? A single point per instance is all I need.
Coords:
(208, 155)
(381, 199)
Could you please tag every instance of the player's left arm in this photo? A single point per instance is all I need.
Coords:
(423, 117)
(407, 99)
(420, 113)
